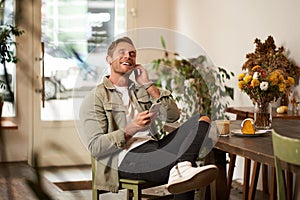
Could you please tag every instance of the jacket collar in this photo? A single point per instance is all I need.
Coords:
(109, 85)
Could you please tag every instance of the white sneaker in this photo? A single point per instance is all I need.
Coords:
(183, 177)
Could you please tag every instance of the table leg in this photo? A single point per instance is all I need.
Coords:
(246, 178)
(254, 179)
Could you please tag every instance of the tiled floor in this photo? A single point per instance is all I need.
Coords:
(14, 179)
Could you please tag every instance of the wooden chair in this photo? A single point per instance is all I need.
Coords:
(134, 188)
(288, 150)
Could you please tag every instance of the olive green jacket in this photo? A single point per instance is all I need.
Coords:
(103, 119)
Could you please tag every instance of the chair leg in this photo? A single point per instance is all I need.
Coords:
(265, 178)
(95, 194)
(273, 184)
(246, 178)
(134, 190)
(137, 193)
(253, 185)
(289, 185)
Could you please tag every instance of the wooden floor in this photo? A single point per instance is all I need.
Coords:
(16, 178)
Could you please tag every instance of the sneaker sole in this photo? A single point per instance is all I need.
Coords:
(199, 180)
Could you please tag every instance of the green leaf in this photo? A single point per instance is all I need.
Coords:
(230, 91)
(163, 43)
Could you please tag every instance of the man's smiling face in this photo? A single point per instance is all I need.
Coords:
(123, 59)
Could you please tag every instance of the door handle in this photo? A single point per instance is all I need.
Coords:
(38, 90)
(42, 91)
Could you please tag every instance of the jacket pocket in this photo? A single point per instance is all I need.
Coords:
(114, 107)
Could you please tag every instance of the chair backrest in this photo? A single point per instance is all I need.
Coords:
(288, 150)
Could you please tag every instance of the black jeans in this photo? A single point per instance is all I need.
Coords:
(153, 160)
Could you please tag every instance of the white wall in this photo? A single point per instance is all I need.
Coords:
(155, 13)
(227, 29)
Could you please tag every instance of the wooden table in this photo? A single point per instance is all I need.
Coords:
(258, 149)
(244, 112)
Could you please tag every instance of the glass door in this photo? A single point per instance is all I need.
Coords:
(73, 49)
(73, 36)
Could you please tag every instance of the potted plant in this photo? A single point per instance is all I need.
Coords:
(200, 88)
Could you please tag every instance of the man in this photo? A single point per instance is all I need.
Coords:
(117, 125)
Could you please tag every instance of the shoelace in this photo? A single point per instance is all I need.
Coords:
(178, 172)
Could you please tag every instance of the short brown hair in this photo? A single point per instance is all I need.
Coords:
(113, 45)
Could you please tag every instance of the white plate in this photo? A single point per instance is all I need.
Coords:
(238, 132)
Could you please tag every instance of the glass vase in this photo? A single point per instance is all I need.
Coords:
(262, 115)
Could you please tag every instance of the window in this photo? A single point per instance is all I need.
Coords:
(74, 34)
(8, 110)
